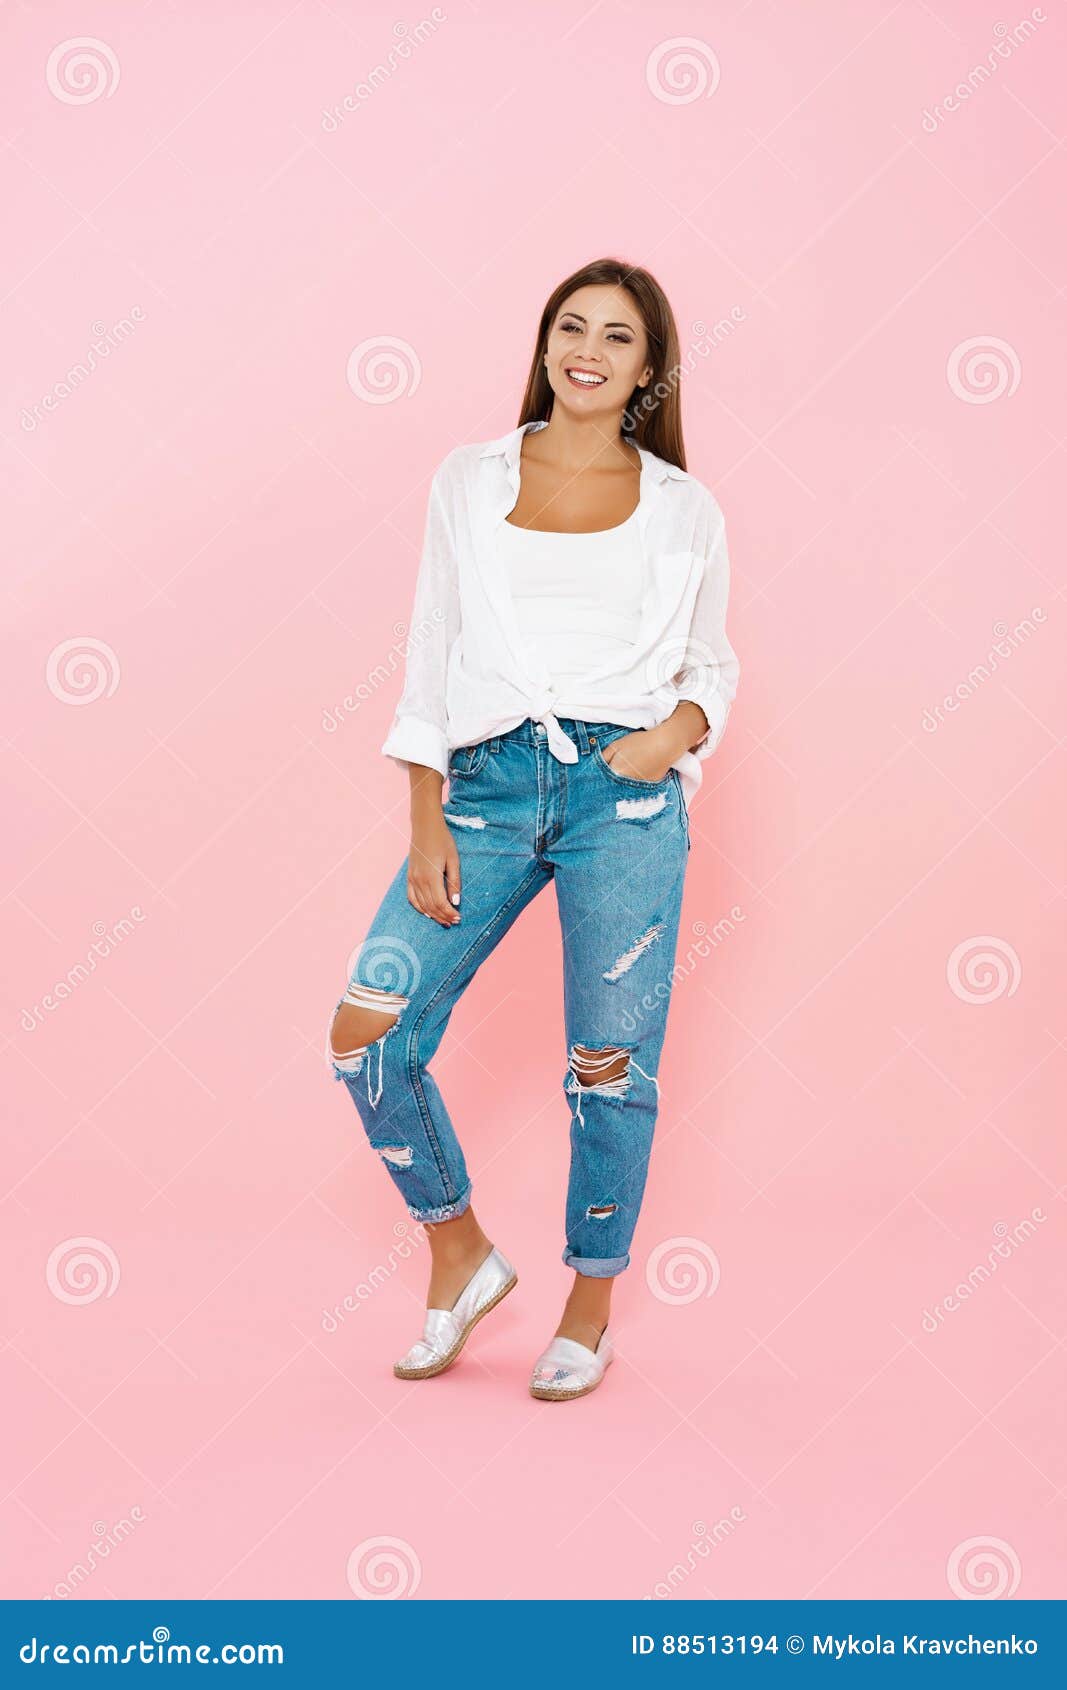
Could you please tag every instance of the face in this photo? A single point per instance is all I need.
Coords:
(597, 352)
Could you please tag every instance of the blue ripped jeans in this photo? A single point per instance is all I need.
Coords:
(617, 851)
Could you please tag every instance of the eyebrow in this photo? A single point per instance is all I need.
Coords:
(582, 319)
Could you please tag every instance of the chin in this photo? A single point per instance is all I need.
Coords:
(582, 406)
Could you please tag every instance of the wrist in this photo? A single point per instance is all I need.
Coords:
(426, 794)
(670, 737)
(690, 725)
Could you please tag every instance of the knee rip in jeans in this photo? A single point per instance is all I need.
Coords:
(355, 1027)
(600, 1211)
(602, 1073)
(397, 1155)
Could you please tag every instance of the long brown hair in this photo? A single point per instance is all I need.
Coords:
(653, 414)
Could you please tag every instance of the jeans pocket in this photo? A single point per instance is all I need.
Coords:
(466, 760)
(629, 780)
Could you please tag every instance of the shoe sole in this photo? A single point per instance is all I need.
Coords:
(454, 1353)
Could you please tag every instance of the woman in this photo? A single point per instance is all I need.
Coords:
(568, 672)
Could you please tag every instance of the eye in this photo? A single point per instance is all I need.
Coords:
(570, 328)
(623, 339)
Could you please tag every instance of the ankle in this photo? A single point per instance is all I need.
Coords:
(454, 1261)
(459, 1252)
(457, 1241)
(582, 1331)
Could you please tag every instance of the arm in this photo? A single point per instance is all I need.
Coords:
(705, 681)
(709, 673)
(419, 730)
(418, 737)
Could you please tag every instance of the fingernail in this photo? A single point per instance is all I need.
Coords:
(455, 897)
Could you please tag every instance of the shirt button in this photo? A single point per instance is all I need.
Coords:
(539, 727)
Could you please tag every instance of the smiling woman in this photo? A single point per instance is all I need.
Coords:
(575, 577)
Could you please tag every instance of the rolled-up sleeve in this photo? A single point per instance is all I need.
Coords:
(710, 672)
(419, 730)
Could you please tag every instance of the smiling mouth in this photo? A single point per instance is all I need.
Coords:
(585, 378)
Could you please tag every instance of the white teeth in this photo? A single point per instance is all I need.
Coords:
(586, 378)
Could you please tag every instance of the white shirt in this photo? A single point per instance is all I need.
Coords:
(577, 598)
(468, 674)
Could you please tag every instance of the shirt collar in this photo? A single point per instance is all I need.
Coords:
(509, 445)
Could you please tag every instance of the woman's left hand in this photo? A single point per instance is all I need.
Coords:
(646, 754)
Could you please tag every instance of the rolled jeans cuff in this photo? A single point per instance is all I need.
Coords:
(446, 1211)
(596, 1267)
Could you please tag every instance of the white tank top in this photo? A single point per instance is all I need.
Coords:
(577, 597)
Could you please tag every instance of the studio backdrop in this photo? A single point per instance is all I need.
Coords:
(265, 265)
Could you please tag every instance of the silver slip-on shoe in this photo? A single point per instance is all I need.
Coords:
(447, 1330)
(569, 1369)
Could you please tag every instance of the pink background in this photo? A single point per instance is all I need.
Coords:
(856, 1108)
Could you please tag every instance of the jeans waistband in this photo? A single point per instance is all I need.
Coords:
(584, 734)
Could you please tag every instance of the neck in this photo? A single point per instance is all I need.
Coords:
(584, 443)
